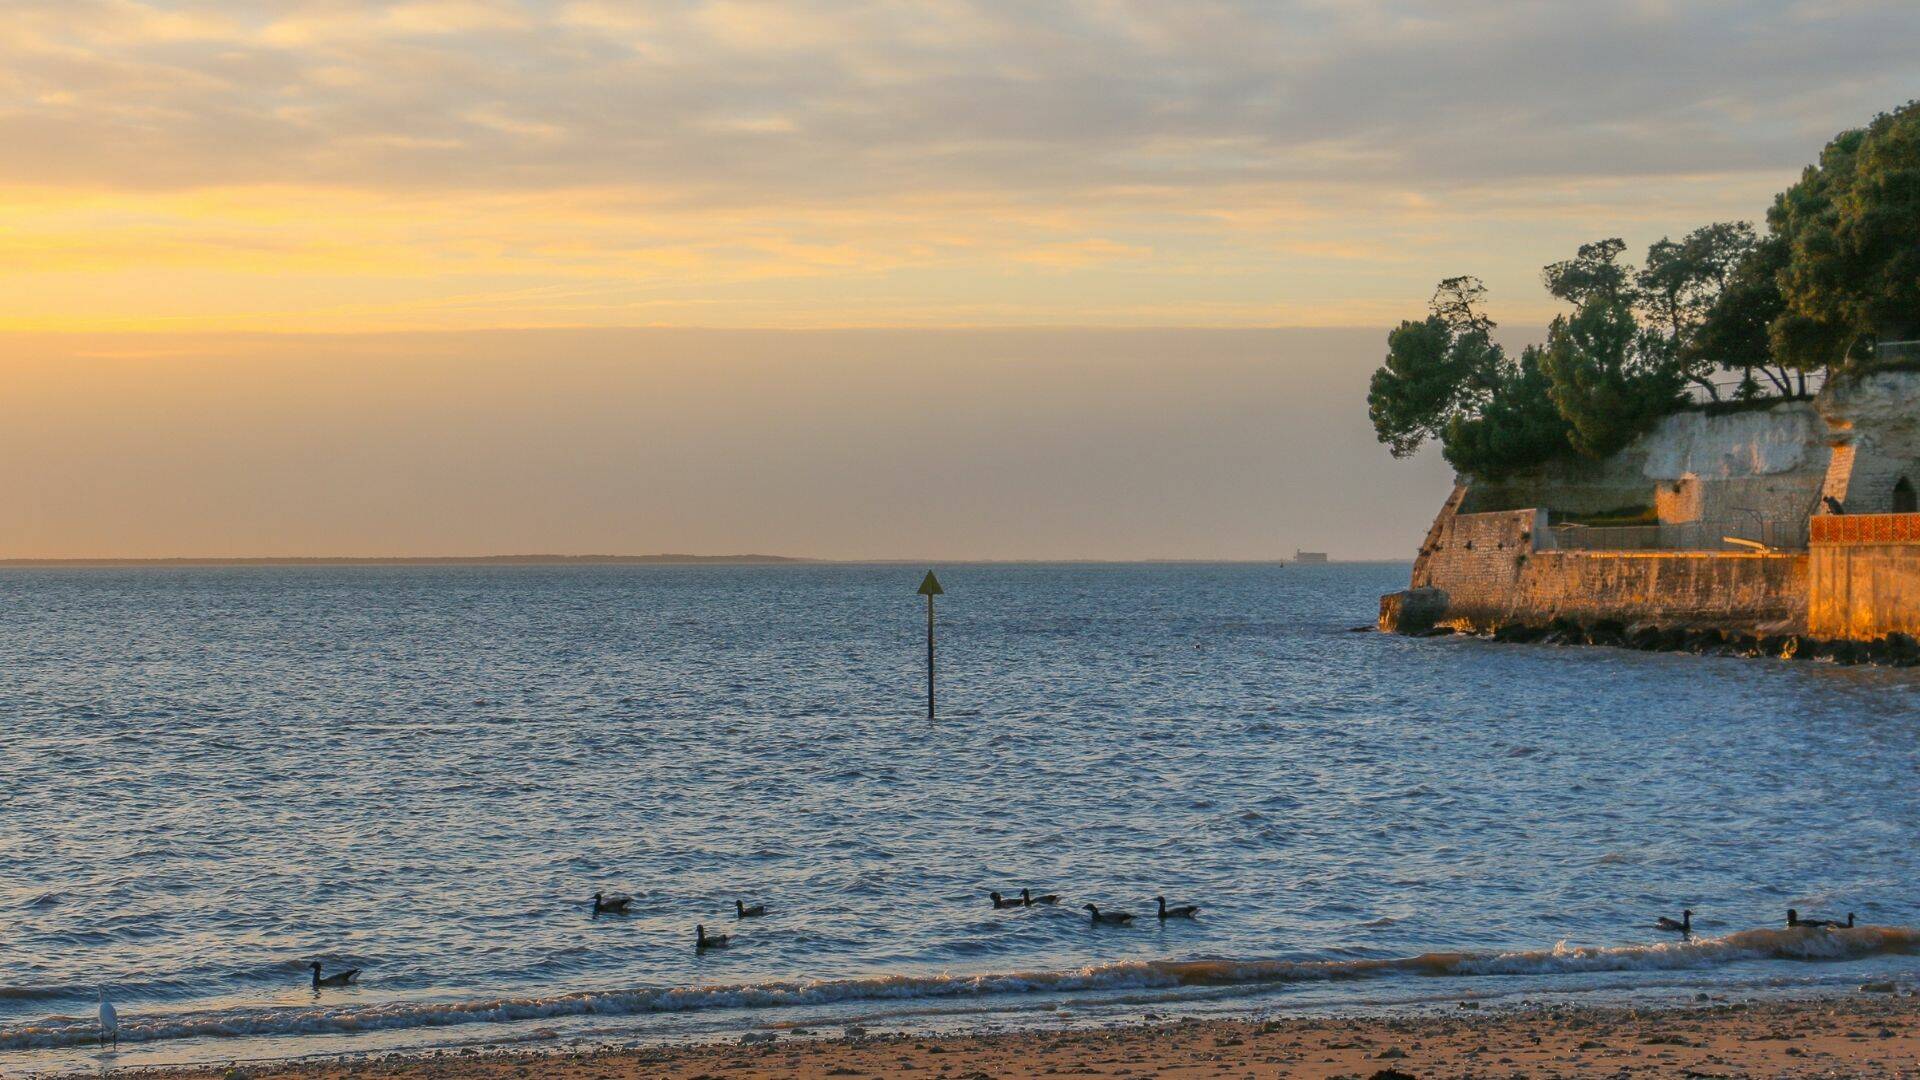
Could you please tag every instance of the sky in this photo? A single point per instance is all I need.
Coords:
(367, 220)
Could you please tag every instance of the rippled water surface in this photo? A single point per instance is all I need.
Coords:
(210, 778)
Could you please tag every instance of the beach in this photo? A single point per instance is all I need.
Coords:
(1873, 1033)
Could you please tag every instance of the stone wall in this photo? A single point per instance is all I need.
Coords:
(1875, 428)
(1489, 559)
(1476, 558)
(1484, 571)
(1749, 592)
(1770, 463)
(1864, 581)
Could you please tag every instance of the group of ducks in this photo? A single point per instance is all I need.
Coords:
(1099, 918)
(1684, 924)
(606, 903)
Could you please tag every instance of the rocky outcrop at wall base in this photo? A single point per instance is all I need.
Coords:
(1412, 611)
(1893, 650)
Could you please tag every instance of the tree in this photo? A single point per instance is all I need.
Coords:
(1680, 284)
(1851, 227)
(1594, 270)
(1838, 272)
(1436, 369)
(1445, 378)
(1606, 381)
(1733, 334)
(1518, 426)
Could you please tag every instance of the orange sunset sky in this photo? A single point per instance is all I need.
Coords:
(1096, 278)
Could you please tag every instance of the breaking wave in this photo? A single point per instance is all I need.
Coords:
(1746, 945)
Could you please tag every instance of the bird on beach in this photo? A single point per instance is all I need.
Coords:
(742, 911)
(611, 903)
(1186, 912)
(1001, 903)
(702, 942)
(1109, 918)
(338, 978)
(1684, 926)
(1027, 899)
(109, 1021)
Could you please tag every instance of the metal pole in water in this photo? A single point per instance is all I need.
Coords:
(930, 588)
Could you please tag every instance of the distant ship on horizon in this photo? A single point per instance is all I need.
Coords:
(1309, 556)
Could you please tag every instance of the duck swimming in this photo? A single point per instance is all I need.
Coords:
(1110, 918)
(1794, 921)
(1684, 926)
(338, 978)
(1001, 902)
(701, 941)
(742, 911)
(611, 903)
(1027, 899)
(1187, 912)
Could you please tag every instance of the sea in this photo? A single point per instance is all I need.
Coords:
(212, 778)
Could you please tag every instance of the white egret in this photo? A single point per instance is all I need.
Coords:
(109, 1021)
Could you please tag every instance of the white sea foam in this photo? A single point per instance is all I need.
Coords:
(1699, 952)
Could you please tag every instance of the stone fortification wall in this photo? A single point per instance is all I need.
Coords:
(1864, 580)
(1750, 593)
(1476, 558)
(1486, 571)
(1489, 561)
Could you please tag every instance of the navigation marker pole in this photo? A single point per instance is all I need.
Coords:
(930, 588)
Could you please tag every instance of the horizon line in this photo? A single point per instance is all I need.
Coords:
(769, 329)
(669, 558)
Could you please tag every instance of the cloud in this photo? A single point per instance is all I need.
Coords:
(897, 95)
(911, 150)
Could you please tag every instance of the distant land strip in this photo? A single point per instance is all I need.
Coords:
(421, 560)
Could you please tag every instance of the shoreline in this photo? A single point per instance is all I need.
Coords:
(1874, 1032)
(303, 561)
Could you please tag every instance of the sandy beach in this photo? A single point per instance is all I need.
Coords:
(1864, 1035)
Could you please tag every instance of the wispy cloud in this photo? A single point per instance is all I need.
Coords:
(757, 140)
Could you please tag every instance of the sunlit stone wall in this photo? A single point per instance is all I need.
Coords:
(1865, 577)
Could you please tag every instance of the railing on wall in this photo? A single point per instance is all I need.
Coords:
(1886, 351)
(1803, 385)
(1788, 534)
(1866, 529)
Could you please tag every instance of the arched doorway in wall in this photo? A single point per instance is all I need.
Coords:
(1903, 497)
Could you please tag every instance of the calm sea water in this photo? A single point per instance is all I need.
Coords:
(211, 778)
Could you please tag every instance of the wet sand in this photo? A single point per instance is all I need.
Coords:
(1864, 1035)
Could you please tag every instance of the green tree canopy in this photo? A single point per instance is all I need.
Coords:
(1436, 369)
(1609, 380)
(1445, 378)
(1851, 227)
(1838, 270)
(1594, 270)
(1733, 334)
(1517, 427)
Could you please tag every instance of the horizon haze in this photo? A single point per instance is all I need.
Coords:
(844, 444)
